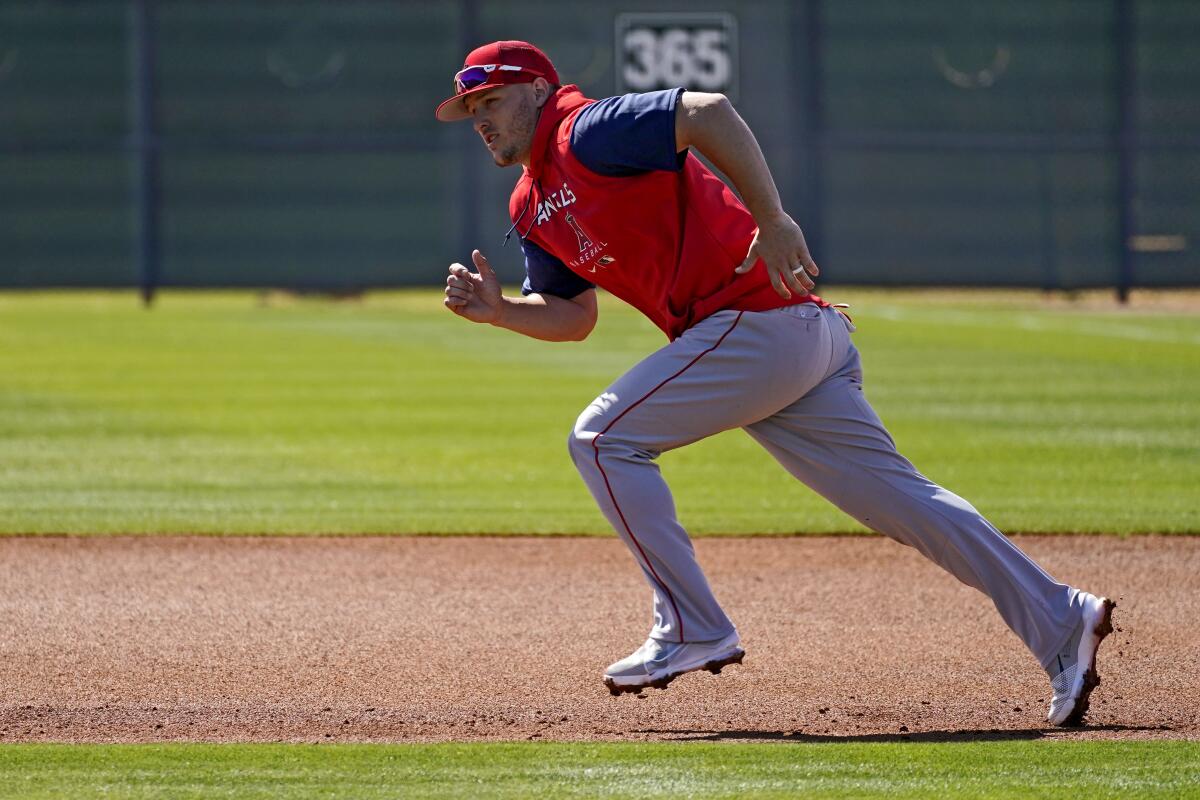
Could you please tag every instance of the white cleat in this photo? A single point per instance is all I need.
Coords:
(657, 663)
(1073, 674)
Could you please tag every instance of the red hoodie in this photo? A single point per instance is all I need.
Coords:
(665, 242)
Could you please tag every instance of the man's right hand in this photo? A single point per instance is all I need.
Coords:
(474, 295)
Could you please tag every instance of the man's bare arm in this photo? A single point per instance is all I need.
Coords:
(709, 123)
(477, 296)
(550, 318)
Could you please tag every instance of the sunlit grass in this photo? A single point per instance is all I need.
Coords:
(219, 412)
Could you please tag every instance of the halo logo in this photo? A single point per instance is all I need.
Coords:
(585, 241)
(589, 249)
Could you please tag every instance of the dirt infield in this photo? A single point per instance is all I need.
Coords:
(418, 639)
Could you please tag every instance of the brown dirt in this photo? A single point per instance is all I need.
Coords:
(417, 639)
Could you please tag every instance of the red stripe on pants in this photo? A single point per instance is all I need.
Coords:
(607, 485)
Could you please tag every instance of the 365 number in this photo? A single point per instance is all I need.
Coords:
(660, 51)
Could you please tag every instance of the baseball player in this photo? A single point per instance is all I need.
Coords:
(611, 196)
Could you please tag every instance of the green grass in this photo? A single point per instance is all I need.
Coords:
(215, 413)
(675, 771)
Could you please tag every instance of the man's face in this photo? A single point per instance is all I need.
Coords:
(505, 118)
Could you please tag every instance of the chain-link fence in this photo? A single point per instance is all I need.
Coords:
(1046, 143)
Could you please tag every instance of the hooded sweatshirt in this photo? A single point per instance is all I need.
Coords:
(666, 241)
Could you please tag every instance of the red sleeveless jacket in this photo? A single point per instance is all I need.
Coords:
(665, 242)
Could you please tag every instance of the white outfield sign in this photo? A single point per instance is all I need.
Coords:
(663, 50)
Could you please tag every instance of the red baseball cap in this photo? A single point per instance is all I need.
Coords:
(492, 65)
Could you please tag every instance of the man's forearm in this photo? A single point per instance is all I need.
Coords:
(709, 123)
(549, 318)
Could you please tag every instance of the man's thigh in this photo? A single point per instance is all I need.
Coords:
(728, 371)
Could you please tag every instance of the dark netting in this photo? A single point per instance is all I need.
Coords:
(64, 71)
(293, 144)
(65, 212)
(1167, 238)
(235, 69)
(304, 220)
(66, 219)
(986, 67)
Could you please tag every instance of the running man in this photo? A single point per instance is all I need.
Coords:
(611, 196)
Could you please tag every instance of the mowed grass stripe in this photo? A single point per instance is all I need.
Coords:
(673, 771)
(217, 413)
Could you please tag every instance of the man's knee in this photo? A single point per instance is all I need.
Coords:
(582, 439)
(593, 436)
(579, 445)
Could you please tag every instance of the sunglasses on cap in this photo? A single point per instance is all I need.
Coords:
(470, 77)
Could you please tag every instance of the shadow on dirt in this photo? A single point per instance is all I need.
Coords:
(994, 735)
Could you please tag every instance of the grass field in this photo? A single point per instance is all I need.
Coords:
(1021, 769)
(225, 413)
(218, 413)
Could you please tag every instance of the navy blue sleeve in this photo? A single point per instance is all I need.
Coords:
(629, 135)
(545, 274)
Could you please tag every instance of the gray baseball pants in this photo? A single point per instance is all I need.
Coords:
(791, 379)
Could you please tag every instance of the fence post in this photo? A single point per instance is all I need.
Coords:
(1126, 144)
(468, 161)
(145, 148)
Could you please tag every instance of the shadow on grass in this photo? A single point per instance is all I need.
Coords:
(992, 735)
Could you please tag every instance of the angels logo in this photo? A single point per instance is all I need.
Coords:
(554, 202)
(588, 248)
(585, 241)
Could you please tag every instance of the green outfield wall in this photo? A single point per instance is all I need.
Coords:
(1049, 144)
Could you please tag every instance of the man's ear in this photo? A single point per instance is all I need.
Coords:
(541, 91)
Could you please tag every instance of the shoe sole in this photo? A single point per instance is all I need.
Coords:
(1091, 679)
(715, 666)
